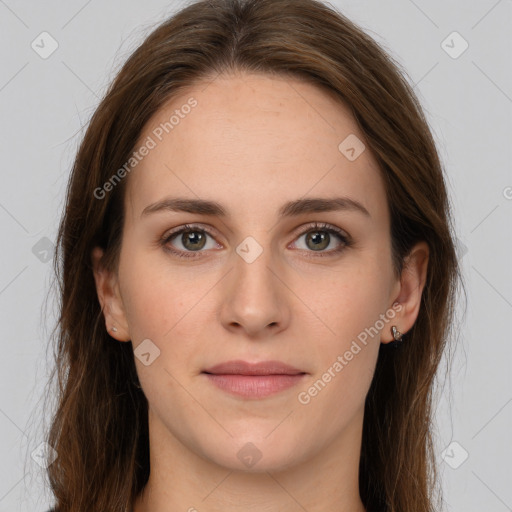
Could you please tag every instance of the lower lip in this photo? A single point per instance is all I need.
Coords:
(254, 386)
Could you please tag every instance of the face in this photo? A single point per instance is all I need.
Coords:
(289, 261)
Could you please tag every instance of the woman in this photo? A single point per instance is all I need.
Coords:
(258, 275)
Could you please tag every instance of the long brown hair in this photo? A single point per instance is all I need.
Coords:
(99, 428)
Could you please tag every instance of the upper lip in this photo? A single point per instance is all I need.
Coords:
(239, 367)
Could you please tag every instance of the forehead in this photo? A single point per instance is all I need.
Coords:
(252, 142)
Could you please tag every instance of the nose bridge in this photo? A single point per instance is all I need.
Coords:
(256, 297)
(252, 266)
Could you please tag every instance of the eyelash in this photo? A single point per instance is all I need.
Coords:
(315, 226)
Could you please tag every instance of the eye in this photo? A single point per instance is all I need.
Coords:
(320, 236)
(187, 240)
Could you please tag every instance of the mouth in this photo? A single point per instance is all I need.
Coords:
(254, 380)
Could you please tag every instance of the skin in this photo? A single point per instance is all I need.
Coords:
(253, 143)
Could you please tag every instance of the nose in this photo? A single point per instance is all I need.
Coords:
(255, 297)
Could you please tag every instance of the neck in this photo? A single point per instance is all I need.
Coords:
(181, 480)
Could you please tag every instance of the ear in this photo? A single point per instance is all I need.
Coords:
(107, 288)
(410, 289)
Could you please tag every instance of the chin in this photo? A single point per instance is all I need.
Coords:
(256, 454)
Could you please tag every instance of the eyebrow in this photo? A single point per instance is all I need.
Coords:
(289, 209)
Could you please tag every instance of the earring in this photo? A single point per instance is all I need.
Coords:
(397, 335)
(113, 329)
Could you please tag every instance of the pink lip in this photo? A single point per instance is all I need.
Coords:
(253, 380)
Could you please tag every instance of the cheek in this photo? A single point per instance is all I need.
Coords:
(156, 295)
(169, 305)
(345, 347)
(346, 302)
(348, 305)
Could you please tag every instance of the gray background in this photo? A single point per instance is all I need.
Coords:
(45, 103)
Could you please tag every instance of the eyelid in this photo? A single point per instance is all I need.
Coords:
(189, 227)
(321, 226)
